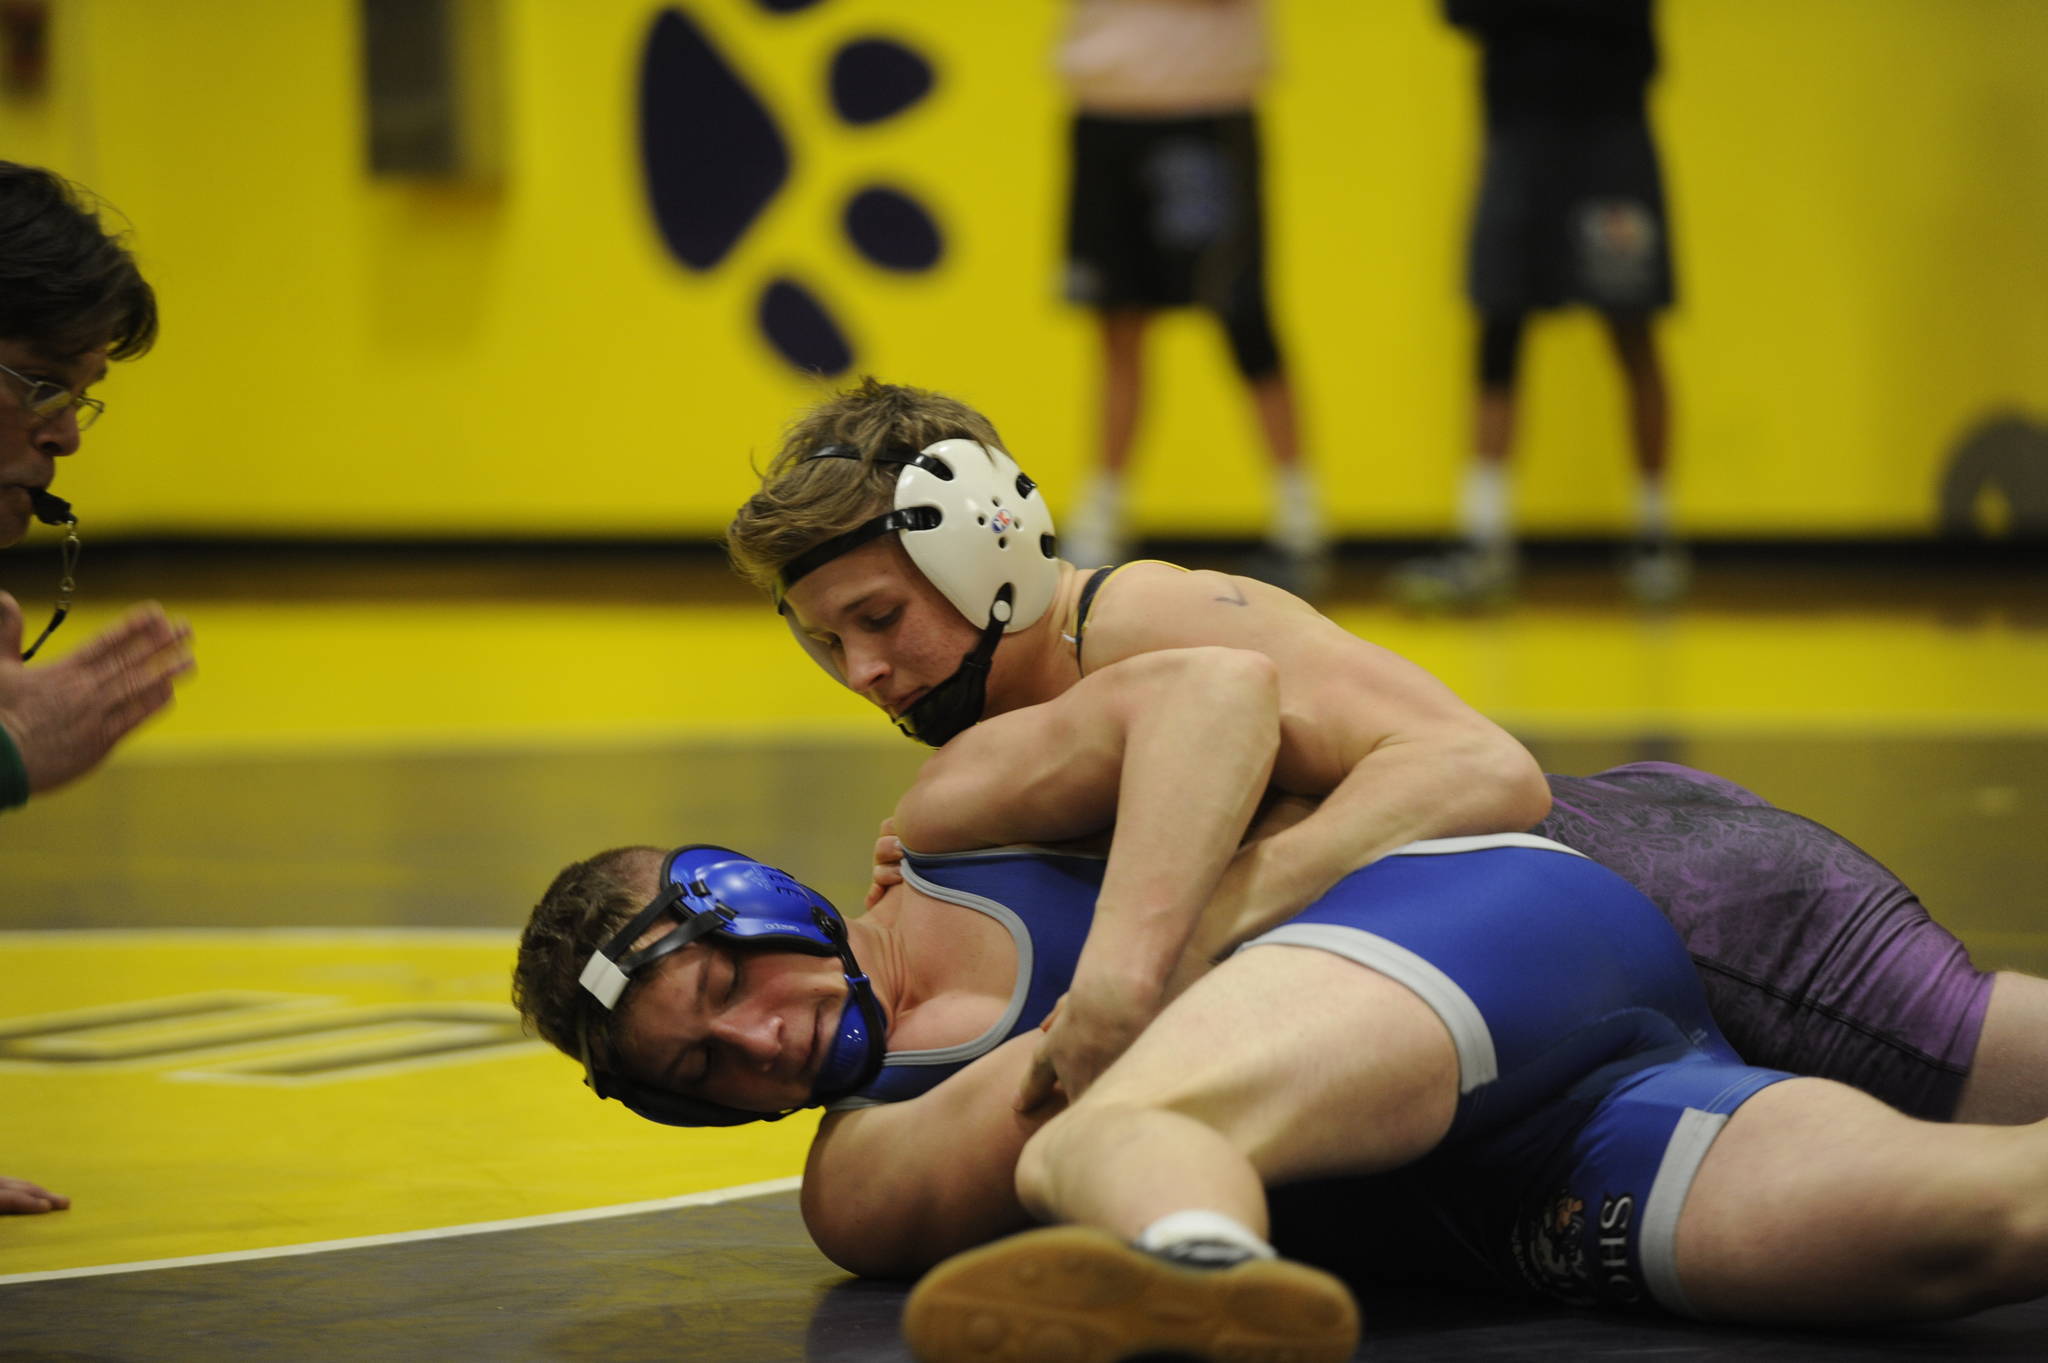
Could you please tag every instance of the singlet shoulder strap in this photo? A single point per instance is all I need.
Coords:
(1093, 585)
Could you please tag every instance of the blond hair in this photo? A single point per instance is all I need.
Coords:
(804, 501)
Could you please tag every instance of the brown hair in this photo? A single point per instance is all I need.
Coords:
(803, 501)
(583, 909)
(67, 285)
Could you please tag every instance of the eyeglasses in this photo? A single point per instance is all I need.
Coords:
(46, 401)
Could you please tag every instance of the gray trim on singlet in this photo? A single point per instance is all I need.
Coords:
(1480, 842)
(1477, 1062)
(1657, 1248)
(1007, 849)
(994, 1036)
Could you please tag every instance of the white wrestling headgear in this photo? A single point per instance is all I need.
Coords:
(973, 523)
(977, 528)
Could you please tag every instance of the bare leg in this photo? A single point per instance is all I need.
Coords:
(1297, 544)
(1658, 571)
(1819, 1203)
(2009, 1078)
(1123, 382)
(1280, 1094)
(1493, 424)
(1273, 398)
(1635, 346)
(1365, 1080)
(1092, 531)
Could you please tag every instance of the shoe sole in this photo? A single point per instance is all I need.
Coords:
(1072, 1294)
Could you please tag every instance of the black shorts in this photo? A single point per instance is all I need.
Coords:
(1570, 213)
(1165, 212)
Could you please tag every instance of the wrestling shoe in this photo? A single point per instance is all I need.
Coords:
(1462, 579)
(1073, 1294)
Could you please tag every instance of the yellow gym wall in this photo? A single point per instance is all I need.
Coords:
(1857, 188)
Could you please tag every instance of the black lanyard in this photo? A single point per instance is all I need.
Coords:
(54, 510)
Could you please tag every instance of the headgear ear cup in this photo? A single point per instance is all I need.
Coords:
(972, 522)
(993, 530)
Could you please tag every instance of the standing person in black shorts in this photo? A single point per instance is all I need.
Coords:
(1165, 212)
(1571, 211)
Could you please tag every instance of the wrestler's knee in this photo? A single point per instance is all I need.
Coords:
(1080, 1137)
(1991, 1249)
(1878, 1219)
(1998, 1251)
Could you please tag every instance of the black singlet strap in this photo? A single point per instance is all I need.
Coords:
(1088, 589)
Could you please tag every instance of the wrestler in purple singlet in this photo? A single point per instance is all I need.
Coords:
(1816, 959)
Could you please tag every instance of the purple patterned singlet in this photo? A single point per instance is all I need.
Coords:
(1816, 959)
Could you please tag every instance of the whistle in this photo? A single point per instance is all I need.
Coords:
(51, 509)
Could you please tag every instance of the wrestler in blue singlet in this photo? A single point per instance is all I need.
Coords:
(1590, 1072)
(1046, 899)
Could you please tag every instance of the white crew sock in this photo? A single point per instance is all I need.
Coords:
(1486, 506)
(1297, 525)
(1180, 1227)
(1092, 533)
(1653, 510)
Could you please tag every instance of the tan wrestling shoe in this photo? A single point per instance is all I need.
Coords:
(1073, 1294)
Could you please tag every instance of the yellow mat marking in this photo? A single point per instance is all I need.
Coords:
(221, 1091)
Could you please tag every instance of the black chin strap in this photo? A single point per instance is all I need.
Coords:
(955, 704)
(54, 510)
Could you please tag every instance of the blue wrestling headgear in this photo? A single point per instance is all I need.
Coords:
(719, 893)
(977, 528)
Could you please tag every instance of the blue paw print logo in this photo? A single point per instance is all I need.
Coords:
(714, 158)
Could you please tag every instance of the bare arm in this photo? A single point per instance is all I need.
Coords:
(891, 1190)
(1392, 752)
(1175, 748)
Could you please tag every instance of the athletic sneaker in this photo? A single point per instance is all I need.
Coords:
(1657, 574)
(1464, 578)
(1091, 533)
(1079, 1295)
(1307, 575)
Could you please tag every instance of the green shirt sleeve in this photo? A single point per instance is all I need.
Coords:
(13, 775)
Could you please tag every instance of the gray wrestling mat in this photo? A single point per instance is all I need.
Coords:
(739, 1282)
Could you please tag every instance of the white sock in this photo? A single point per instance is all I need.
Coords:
(1485, 505)
(1092, 532)
(1297, 526)
(1653, 510)
(1180, 1227)
(1103, 493)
